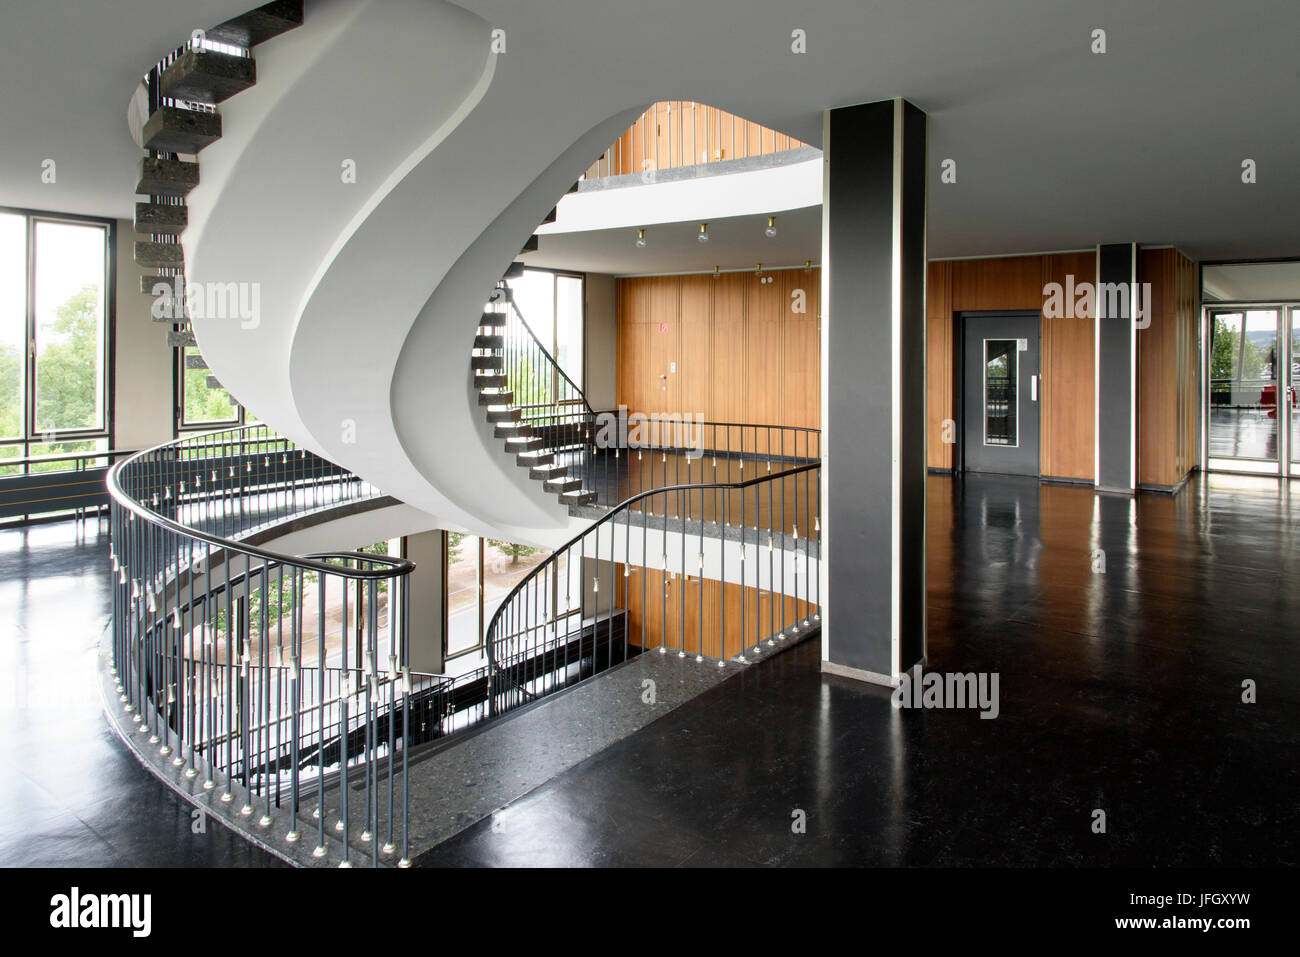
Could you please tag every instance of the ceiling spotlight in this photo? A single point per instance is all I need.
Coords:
(716, 272)
(704, 233)
(640, 239)
(770, 232)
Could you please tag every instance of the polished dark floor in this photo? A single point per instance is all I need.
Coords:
(1119, 690)
(71, 795)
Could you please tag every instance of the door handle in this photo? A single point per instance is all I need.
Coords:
(1033, 388)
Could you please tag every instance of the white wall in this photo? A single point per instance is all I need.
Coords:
(142, 392)
(599, 339)
(427, 604)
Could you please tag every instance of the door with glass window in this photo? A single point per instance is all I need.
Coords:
(1000, 390)
(1253, 358)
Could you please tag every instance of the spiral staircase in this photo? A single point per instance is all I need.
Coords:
(706, 547)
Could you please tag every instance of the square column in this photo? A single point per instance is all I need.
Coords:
(873, 392)
(1116, 388)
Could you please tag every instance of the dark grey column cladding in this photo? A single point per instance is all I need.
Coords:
(867, 197)
(1115, 344)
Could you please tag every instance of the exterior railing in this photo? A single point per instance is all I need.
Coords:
(672, 545)
(273, 677)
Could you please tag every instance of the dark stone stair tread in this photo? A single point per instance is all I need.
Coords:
(259, 25)
(173, 130)
(206, 76)
(161, 219)
(166, 177)
(159, 254)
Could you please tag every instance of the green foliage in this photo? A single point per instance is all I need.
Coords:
(379, 548)
(1223, 354)
(66, 366)
(276, 604)
(530, 384)
(201, 403)
(454, 542)
(11, 396)
(67, 379)
(515, 552)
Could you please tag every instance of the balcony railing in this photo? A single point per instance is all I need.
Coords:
(685, 557)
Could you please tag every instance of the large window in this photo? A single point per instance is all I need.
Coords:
(480, 573)
(198, 405)
(551, 304)
(55, 330)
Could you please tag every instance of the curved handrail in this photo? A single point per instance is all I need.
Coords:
(614, 515)
(546, 353)
(626, 505)
(119, 495)
(276, 680)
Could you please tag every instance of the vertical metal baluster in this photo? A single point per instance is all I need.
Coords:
(321, 585)
(818, 614)
(344, 822)
(406, 724)
(741, 488)
(784, 536)
(663, 646)
(758, 563)
(396, 593)
(699, 647)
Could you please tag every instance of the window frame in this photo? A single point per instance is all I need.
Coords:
(553, 346)
(179, 425)
(106, 431)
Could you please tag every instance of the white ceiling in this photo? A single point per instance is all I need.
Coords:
(67, 71)
(1056, 147)
(735, 243)
(1252, 282)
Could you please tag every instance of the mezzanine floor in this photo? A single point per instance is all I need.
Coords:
(1119, 691)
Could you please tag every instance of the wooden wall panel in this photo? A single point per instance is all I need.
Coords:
(1015, 282)
(730, 382)
(801, 384)
(1168, 370)
(695, 355)
(633, 318)
(664, 344)
(1068, 364)
(763, 360)
(766, 316)
(743, 354)
(749, 613)
(939, 401)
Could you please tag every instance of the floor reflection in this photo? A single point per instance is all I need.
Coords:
(71, 795)
(1121, 631)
